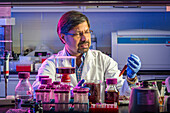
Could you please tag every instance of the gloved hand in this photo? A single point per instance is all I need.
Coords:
(80, 85)
(133, 65)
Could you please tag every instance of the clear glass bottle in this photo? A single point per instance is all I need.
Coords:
(23, 90)
(111, 92)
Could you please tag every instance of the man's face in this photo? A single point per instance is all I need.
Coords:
(80, 41)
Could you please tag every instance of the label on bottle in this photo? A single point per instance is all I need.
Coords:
(145, 98)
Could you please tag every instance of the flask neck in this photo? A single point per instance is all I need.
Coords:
(24, 80)
(111, 87)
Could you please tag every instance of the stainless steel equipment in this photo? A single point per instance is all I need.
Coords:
(144, 99)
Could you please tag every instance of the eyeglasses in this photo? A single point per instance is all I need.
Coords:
(80, 34)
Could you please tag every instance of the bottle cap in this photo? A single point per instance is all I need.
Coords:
(83, 90)
(42, 86)
(46, 90)
(137, 83)
(65, 78)
(111, 81)
(46, 80)
(75, 89)
(23, 75)
(43, 76)
(145, 84)
(49, 86)
(153, 83)
(61, 91)
(163, 82)
(56, 83)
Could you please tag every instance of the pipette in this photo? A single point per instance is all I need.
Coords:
(123, 70)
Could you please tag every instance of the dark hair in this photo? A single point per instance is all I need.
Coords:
(69, 20)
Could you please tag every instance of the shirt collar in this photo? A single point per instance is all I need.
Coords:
(82, 57)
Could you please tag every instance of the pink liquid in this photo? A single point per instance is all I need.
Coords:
(65, 70)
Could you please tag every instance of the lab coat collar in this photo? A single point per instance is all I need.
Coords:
(87, 65)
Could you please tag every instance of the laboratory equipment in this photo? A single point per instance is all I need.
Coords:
(44, 82)
(156, 87)
(103, 108)
(82, 95)
(143, 99)
(42, 76)
(167, 83)
(145, 43)
(56, 84)
(94, 86)
(111, 92)
(162, 94)
(137, 84)
(65, 65)
(75, 99)
(46, 99)
(24, 67)
(39, 95)
(23, 90)
(57, 98)
(123, 70)
(6, 69)
(62, 99)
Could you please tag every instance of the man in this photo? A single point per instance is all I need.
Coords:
(74, 32)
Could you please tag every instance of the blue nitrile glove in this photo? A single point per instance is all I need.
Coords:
(80, 85)
(133, 65)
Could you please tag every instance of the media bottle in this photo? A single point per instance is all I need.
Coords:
(111, 92)
(23, 90)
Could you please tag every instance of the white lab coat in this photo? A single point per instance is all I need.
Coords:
(97, 66)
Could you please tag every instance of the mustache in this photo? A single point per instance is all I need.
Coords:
(83, 43)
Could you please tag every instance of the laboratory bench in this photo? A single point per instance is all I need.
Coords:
(122, 109)
(149, 75)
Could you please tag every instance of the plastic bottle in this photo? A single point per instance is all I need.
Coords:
(56, 84)
(23, 90)
(162, 93)
(75, 99)
(111, 92)
(82, 95)
(44, 82)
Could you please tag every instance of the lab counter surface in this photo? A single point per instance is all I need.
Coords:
(122, 109)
